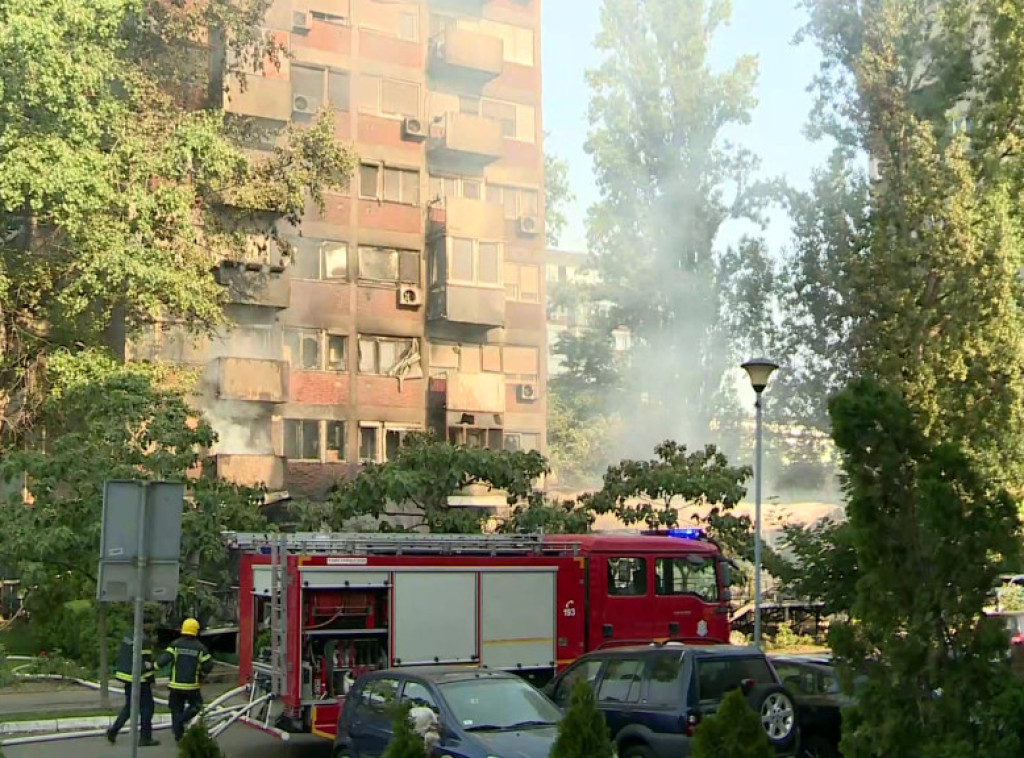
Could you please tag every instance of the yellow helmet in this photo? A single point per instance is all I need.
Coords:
(190, 627)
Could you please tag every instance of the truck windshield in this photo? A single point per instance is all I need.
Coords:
(688, 576)
(497, 704)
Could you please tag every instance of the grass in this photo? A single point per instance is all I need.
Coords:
(82, 713)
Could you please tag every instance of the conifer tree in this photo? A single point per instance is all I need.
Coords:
(405, 743)
(583, 732)
(734, 730)
(198, 743)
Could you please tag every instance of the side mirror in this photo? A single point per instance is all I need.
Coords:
(726, 596)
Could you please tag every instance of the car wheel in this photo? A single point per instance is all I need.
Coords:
(637, 751)
(778, 715)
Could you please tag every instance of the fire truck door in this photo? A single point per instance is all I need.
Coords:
(621, 588)
(435, 617)
(517, 619)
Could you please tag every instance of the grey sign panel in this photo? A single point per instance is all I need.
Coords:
(122, 506)
(118, 582)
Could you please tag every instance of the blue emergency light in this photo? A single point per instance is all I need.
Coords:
(689, 533)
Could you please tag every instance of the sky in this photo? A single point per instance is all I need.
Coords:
(762, 27)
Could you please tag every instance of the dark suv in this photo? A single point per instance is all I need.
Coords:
(654, 696)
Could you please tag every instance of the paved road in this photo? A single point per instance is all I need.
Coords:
(238, 741)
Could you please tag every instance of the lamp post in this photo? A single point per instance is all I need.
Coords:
(759, 370)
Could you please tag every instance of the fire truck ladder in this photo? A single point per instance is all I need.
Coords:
(355, 543)
(279, 614)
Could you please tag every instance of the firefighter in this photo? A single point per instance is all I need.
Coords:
(190, 662)
(123, 674)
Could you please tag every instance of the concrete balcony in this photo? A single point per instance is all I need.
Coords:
(262, 97)
(462, 54)
(466, 140)
(252, 470)
(252, 379)
(480, 395)
(466, 304)
(462, 217)
(254, 284)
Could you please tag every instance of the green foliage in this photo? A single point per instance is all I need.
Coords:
(424, 473)
(551, 517)
(198, 743)
(557, 194)
(405, 742)
(579, 437)
(785, 638)
(936, 678)
(582, 732)
(734, 730)
(822, 566)
(116, 164)
(647, 491)
(1011, 598)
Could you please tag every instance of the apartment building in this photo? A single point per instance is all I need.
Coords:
(568, 269)
(416, 300)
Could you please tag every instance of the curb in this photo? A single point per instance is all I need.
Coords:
(12, 728)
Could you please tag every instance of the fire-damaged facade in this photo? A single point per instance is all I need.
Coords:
(416, 299)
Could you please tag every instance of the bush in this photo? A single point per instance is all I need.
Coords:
(583, 733)
(734, 730)
(405, 743)
(197, 743)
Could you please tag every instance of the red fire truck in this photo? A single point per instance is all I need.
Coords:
(317, 610)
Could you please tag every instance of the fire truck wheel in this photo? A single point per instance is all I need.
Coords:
(636, 751)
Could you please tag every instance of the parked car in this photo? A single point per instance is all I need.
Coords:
(815, 686)
(653, 697)
(480, 713)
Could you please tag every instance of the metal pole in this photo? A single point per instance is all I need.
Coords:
(140, 605)
(757, 529)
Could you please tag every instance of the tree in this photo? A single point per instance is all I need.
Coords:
(404, 742)
(647, 491)
(557, 194)
(197, 742)
(579, 437)
(734, 730)
(424, 473)
(121, 180)
(668, 180)
(582, 732)
(551, 517)
(113, 422)
(936, 678)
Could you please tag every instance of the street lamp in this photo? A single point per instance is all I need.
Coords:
(759, 370)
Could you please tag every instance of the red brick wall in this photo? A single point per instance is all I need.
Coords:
(319, 387)
(387, 132)
(391, 216)
(336, 210)
(315, 479)
(383, 391)
(390, 50)
(324, 36)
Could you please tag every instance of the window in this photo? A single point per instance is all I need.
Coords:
(692, 575)
(418, 695)
(393, 439)
(409, 27)
(522, 441)
(522, 282)
(516, 201)
(664, 687)
(335, 437)
(302, 439)
(308, 83)
(388, 97)
(393, 19)
(473, 262)
(383, 355)
(369, 439)
(621, 681)
(392, 185)
(379, 694)
(585, 670)
(381, 264)
(302, 349)
(716, 678)
(503, 113)
(627, 576)
(319, 259)
(337, 352)
(251, 340)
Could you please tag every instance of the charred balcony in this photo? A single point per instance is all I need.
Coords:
(465, 217)
(466, 282)
(467, 55)
(466, 141)
(255, 284)
(252, 470)
(252, 379)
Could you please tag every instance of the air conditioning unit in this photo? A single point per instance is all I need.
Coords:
(527, 393)
(302, 104)
(414, 129)
(410, 296)
(302, 20)
(529, 225)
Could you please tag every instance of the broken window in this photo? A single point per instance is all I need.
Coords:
(335, 440)
(302, 348)
(381, 264)
(337, 352)
(334, 256)
(393, 439)
(384, 355)
(302, 439)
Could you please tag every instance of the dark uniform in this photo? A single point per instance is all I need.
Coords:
(190, 661)
(146, 706)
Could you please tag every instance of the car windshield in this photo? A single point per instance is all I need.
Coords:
(483, 704)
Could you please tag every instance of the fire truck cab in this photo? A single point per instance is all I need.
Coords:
(317, 610)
